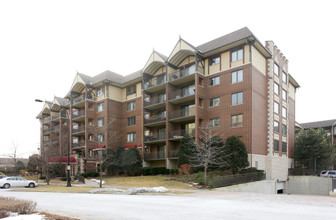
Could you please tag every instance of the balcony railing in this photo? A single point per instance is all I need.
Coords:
(81, 98)
(46, 119)
(181, 94)
(154, 102)
(55, 128)
(185, 72)
(154, 119)
(78, 114)
(154, 138)
(159, 80)
(78, 129)
(47, 130)
(159, 155)
(187, 112)
(177, 134)
(173, 153)
(78, 144)
(55, 117)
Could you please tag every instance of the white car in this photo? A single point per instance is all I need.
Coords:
(13, 181)
(328, 173)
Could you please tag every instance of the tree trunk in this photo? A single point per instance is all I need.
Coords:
(101, 175)
(205, 175)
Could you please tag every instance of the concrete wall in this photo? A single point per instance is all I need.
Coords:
(312, 185)
(264, 186)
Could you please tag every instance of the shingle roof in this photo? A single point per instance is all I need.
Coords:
(318, 124)
(225, 40)
(62, 101)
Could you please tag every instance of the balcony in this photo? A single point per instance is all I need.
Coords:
(182, 96)
(78, 115)
(177, 135)
(78, 146)
(46, 119)
(155, 120)
(80, 100)
(56, 117)
(183, 115)
(155, 104)
(184, 75)
(173, 154)
(155, 139)
(155, 84)
(80, 130)
(46, 131)
(55, 128)
(159, 155)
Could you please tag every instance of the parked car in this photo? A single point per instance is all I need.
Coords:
(1, 176)
(13, 181)
(328, 173)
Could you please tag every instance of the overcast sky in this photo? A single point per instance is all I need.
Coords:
(44, 43)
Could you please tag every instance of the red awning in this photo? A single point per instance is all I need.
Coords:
(140, 146)
(129, 146)
(99, 148)
(63, 159)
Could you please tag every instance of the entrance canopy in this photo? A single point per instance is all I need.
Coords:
(62, 159)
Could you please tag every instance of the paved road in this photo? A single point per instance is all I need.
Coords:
(204, 205)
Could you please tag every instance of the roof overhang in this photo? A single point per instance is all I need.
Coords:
(293, 81)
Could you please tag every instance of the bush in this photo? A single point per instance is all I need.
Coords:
(9, 204)
(250, 170)
(42, 177)
(90, 174)
(147, 171)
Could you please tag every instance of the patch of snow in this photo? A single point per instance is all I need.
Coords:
(26, 217)
(134, 191)
(106, 190)
(97, 181)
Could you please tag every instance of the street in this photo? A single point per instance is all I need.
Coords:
(201, 205)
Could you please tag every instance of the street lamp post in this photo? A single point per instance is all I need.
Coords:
(68, 140)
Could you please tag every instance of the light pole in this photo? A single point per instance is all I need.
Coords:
(68, 140)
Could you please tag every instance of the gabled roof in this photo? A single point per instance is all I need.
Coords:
(182, 50)
(57, 102)
(155, 61)
(319, 124)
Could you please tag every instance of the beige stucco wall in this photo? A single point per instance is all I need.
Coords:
(225, 60)
(258, 60)
(261, 159)
(115, 93)
(247, 53)
(214, 69)
(160, 71)
(291, 91)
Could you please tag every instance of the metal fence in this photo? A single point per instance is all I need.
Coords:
(222, 181)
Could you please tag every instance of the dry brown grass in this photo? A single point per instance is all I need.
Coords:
(57, 188)
(49, 216)
(146, 181)
(10, 204)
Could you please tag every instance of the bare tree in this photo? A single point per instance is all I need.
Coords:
(206, 151)
(14, 156)
(113, 139)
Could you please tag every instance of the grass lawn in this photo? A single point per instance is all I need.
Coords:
(146, 181)
(57, 188)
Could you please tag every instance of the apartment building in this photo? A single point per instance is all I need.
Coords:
(234, 83)
(328, 125)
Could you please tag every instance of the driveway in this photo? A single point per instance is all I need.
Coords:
(203, 205)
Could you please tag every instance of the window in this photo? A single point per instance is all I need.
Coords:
(214, 81)
(200, 81)
(214, 122)
(284, 77)
(237, 55)
(237, 98)
(237, 76)
(90, 137)
(90, 121)
(276, 69)
(276, 88)
(90, 106)
(131, 106)
(131, 90)
(276, 145)
(100, 91)
(100, 122)
(284, 95)
(214, 101)
(237, 121)
(276, 107)
(100, 107)
(276, 126)
(75, 140)
(284, 130)
(187, 90)
(101, 137)
(131, 121)
(131, 137)
(214, 61)
(284, 147)
(284, 112)
(90, 153)
(162, 97)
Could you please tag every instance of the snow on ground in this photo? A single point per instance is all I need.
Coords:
(97, 181)
(132, 191)
(26, 217)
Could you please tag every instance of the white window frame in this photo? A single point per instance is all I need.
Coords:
(100, 107)
(236, 98)
(237, 76)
